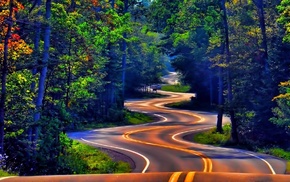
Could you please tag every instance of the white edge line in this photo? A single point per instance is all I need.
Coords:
(241, 151)
(268, 164)
(3, 178)
(128, 150)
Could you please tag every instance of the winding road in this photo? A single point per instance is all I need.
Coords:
(160, 147)
(161, 153)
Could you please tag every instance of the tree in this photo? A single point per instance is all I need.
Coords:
(43, 71)
(11, 48)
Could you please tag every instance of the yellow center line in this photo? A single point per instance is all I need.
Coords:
(189, 177)
(174, 177)
(207, 162)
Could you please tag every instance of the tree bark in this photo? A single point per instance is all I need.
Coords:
(259, 4)
(124, 57)
(229, 79)
(36, 51)
(4, 70)
(220, 96)
(42, 77)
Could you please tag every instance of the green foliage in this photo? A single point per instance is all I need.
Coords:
(282, 112)
(4, 174)
(284, 19)
(278, 152)
(213, 137)
(176, 88)
(192, 104)
(84, 159)
(137, 118)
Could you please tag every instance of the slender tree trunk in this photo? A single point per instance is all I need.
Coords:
(36, 52)
(260, 6)
(4, 70)
(68, 79)
(124, 57)
(42, 77)
(234, 132)
(220, 98)
(113, 3)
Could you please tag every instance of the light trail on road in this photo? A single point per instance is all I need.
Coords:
(206, 160)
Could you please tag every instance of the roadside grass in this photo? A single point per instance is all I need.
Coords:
(85, 159)
(278, 152)
(134, 118)
(176, 88)
(191, 105)
(5, 173)
(211, 137)
(144, 95)
(129, 118)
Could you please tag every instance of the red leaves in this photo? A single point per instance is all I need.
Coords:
(15, 9)
(15, 37)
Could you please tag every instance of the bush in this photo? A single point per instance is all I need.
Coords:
(212, 137)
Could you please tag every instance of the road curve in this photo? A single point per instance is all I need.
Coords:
(159, 146)
(155, 177)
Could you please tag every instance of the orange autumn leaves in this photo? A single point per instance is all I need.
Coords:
(16, 45)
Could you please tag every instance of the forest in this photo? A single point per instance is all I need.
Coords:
(66, 63)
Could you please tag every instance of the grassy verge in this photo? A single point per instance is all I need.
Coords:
(278, 152)
(133, 118)
(85, 159)
(4, 174)
(176, 88)
(144, 95)
(128, 118)
(191, 105)
(211, 137)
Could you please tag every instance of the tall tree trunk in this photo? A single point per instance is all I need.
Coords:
(113, 4)
(42, 77)
(68, 79)
(124, 57)
(36, 41)
(260, 5)
(220, 96)
(4, 71)
(234, 132)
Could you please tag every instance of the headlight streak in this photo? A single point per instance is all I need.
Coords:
(207, 162)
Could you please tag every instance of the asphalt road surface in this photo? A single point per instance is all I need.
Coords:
(159, 146)
(161, 154)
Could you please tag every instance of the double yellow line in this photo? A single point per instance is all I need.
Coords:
(207, 161)
(175, 176)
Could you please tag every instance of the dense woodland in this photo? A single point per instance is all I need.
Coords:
(69, 62)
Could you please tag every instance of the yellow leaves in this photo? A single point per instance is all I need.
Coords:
(254, 32)
(282, 96)
(4, 3)
(285, 84)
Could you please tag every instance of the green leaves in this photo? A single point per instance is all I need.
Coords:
(284, 19)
